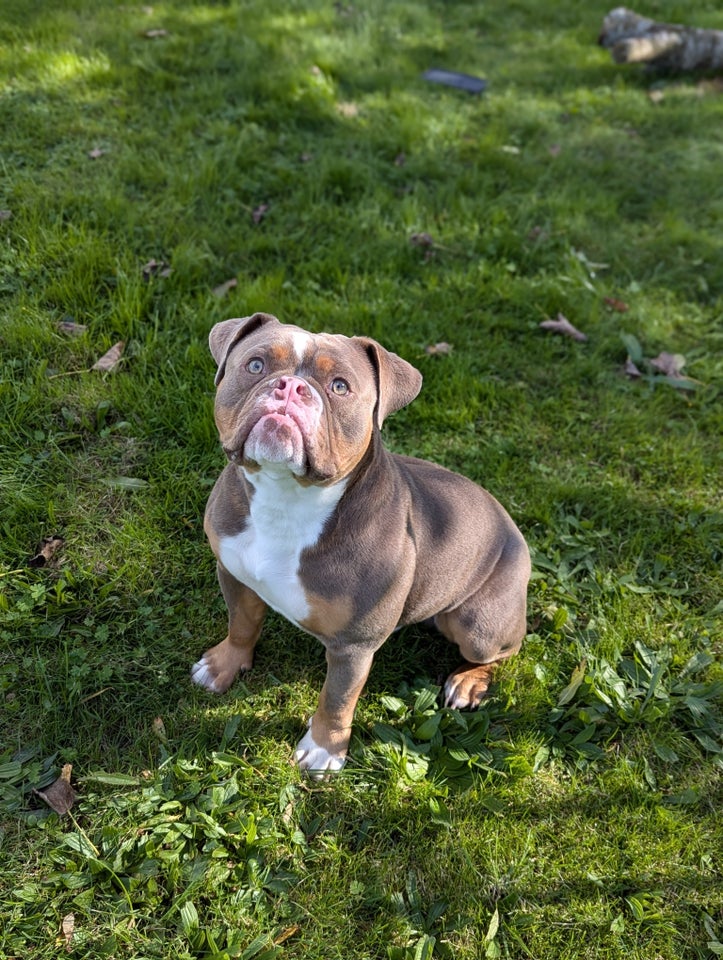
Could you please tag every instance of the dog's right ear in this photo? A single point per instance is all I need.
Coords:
(225, 335)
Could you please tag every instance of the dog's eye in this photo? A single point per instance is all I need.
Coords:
(255, 365)
(339, 387)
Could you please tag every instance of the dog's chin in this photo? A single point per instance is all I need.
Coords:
(276, 441)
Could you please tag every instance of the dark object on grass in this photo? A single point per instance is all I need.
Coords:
(60, 795)
(664, 46)
(450, 78)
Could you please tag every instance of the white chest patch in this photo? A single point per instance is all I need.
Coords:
(285, 518)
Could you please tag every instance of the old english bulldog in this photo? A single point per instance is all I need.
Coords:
(314, 518)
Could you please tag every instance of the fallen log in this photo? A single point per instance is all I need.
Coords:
(671, 47)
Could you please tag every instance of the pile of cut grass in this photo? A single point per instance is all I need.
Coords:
(295, 149)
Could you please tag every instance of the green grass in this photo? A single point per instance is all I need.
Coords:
(577, 815)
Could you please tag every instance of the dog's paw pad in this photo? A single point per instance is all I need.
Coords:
(201, 674)
(315, 760)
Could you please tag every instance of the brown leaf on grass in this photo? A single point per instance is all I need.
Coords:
(670, 364)
(421, 240)
(438, 349)
(159, 729)
(631, 370)
(223, 288)
(562, 325)
(110, 359)
(258, 214)
(287, 934)
(71, 328)
(619, 305)
(67, 929)
(96, 153)
(156, 268)
(59, 796)
(47, 549)
(5, 215)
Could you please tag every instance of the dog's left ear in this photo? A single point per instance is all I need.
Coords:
(398, 382)
(226, 334)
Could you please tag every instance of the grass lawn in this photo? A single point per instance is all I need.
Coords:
(165, 168)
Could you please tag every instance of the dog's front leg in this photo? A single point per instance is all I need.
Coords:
(325, 745)
(218, 667)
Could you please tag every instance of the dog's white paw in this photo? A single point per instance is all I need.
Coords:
(315, 760)
(454, 698)
(201, 674)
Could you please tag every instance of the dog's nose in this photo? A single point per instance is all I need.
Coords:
(292, 388)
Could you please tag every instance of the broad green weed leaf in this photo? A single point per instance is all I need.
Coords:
(687, 798)
(699, 661)
(493, 927)
(427, 729)
(426, 698)
(664, 753)
(578, 675)
(113, 779)
(425, 948)
(189, 917)
(395, 705)
(632, 345)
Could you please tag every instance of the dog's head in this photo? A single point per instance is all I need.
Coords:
(292, 401)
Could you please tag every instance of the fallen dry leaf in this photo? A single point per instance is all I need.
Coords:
(223, 288)
(615, 304)
(631, 370)
(96, 153)
(437, 349)
(59, 796)
(260, 212)
(71, 328)
(287, 934)
(156, 268)
(67, 929)
(5, 215)
(49, 546)
(159, 729)
(110, 359)
(670, 364)
(562, 325)
(421, 240)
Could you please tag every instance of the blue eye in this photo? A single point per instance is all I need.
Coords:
(255, 365)
(339, 387)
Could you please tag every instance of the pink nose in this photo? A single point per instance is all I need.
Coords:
(292, 388)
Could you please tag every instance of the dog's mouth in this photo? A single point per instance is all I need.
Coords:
(277, 438)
